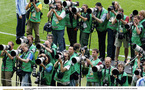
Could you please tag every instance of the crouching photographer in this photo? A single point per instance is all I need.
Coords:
(95, 67)
(106, 73)
(8, 64)
(119, 77)
(121, 36)
(47, 69)
(62, 76)
(27, 61)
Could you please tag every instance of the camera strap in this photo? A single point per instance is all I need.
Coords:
(105, 73)
(4, 60)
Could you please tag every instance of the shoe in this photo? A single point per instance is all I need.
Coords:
(116, 63)
(125, 60)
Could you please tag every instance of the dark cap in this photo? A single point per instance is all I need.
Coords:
(98, 4)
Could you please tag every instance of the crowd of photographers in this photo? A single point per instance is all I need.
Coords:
(53, 66)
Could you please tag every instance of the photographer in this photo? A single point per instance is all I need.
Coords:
(21, 17)
(62, 76)
(47, 70)
(50, 39)
(71, 23)
(86, 23)
(142, 22)
(30, 44)
(122, 78)
(27, 61)
(8, 64)
(75, 68)
(121, 35)
(111, 29)
(34, 19)
(101, 23)
(136, 31)
(93, 77)
(106, 73)
(58, 25)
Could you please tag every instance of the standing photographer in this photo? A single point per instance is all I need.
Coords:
(34, 18)
(112, 12)
(47, 70)
(7, 65)
(71, 23)
(58, 25)
(27, 60)
(62, 76)
(21, 17)
(106, 73)
(142, 22)
(122, 78)
(50, 38)
(121, 35)
(93, 77)
(101, 24)
(87, 23)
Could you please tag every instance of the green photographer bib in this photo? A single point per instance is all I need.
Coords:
(66, 75)
(135, 66)
(56, 24)
(87, 24)
(47, 75)
(93, 76)
(120, 76)
(102, 26)
(9, 63)
(109, 24)
(142, 35)
(68, 23)
(33, 49)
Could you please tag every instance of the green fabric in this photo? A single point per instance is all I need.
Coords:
(107, 76)
(66, 76)
(35, 16)
(135, 66)
(142, 35)
(120, 26)
(87, 24)
(0, 52)
(76, 66)
(143, 74)
(9, 63)
(102, 26)
(68, 24)
(120, 76)
(109, 24)
(93, 76)
(56, 24)
(27, 66)
(47, 75)
(135, 37)
(33, 49)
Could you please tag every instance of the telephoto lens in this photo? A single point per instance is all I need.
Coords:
(115, 71)
(5, 47)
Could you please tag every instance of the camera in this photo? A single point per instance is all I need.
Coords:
(76, 10)
(97, 68)
(34, 74)
(91, 10)
(137, 72)
(129, 25)
(40, 60)
(105, 83)
(69, 4)
(60, 74)
(119, 16)
(115, 71)
(138, 49)
(54, 7)
(32, 1)
(59, 55)
(49, 1)
(5, 47)
(112, 7)
(78, 59)
(22, 40)
(84, 48)
(135, 12)
(47, 27)
(41, 49)
(37, 78)
(16, 52)
(121, 35)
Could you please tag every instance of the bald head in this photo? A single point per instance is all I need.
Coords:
(107, 62)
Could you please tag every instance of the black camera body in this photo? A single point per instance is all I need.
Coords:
(60, 75)
(119, 16)
(48, 27)
(110, 8)
(121, 36)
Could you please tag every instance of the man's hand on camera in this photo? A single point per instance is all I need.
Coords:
(33, 2)
(78, 14)
(41, 64)
(115, 76)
